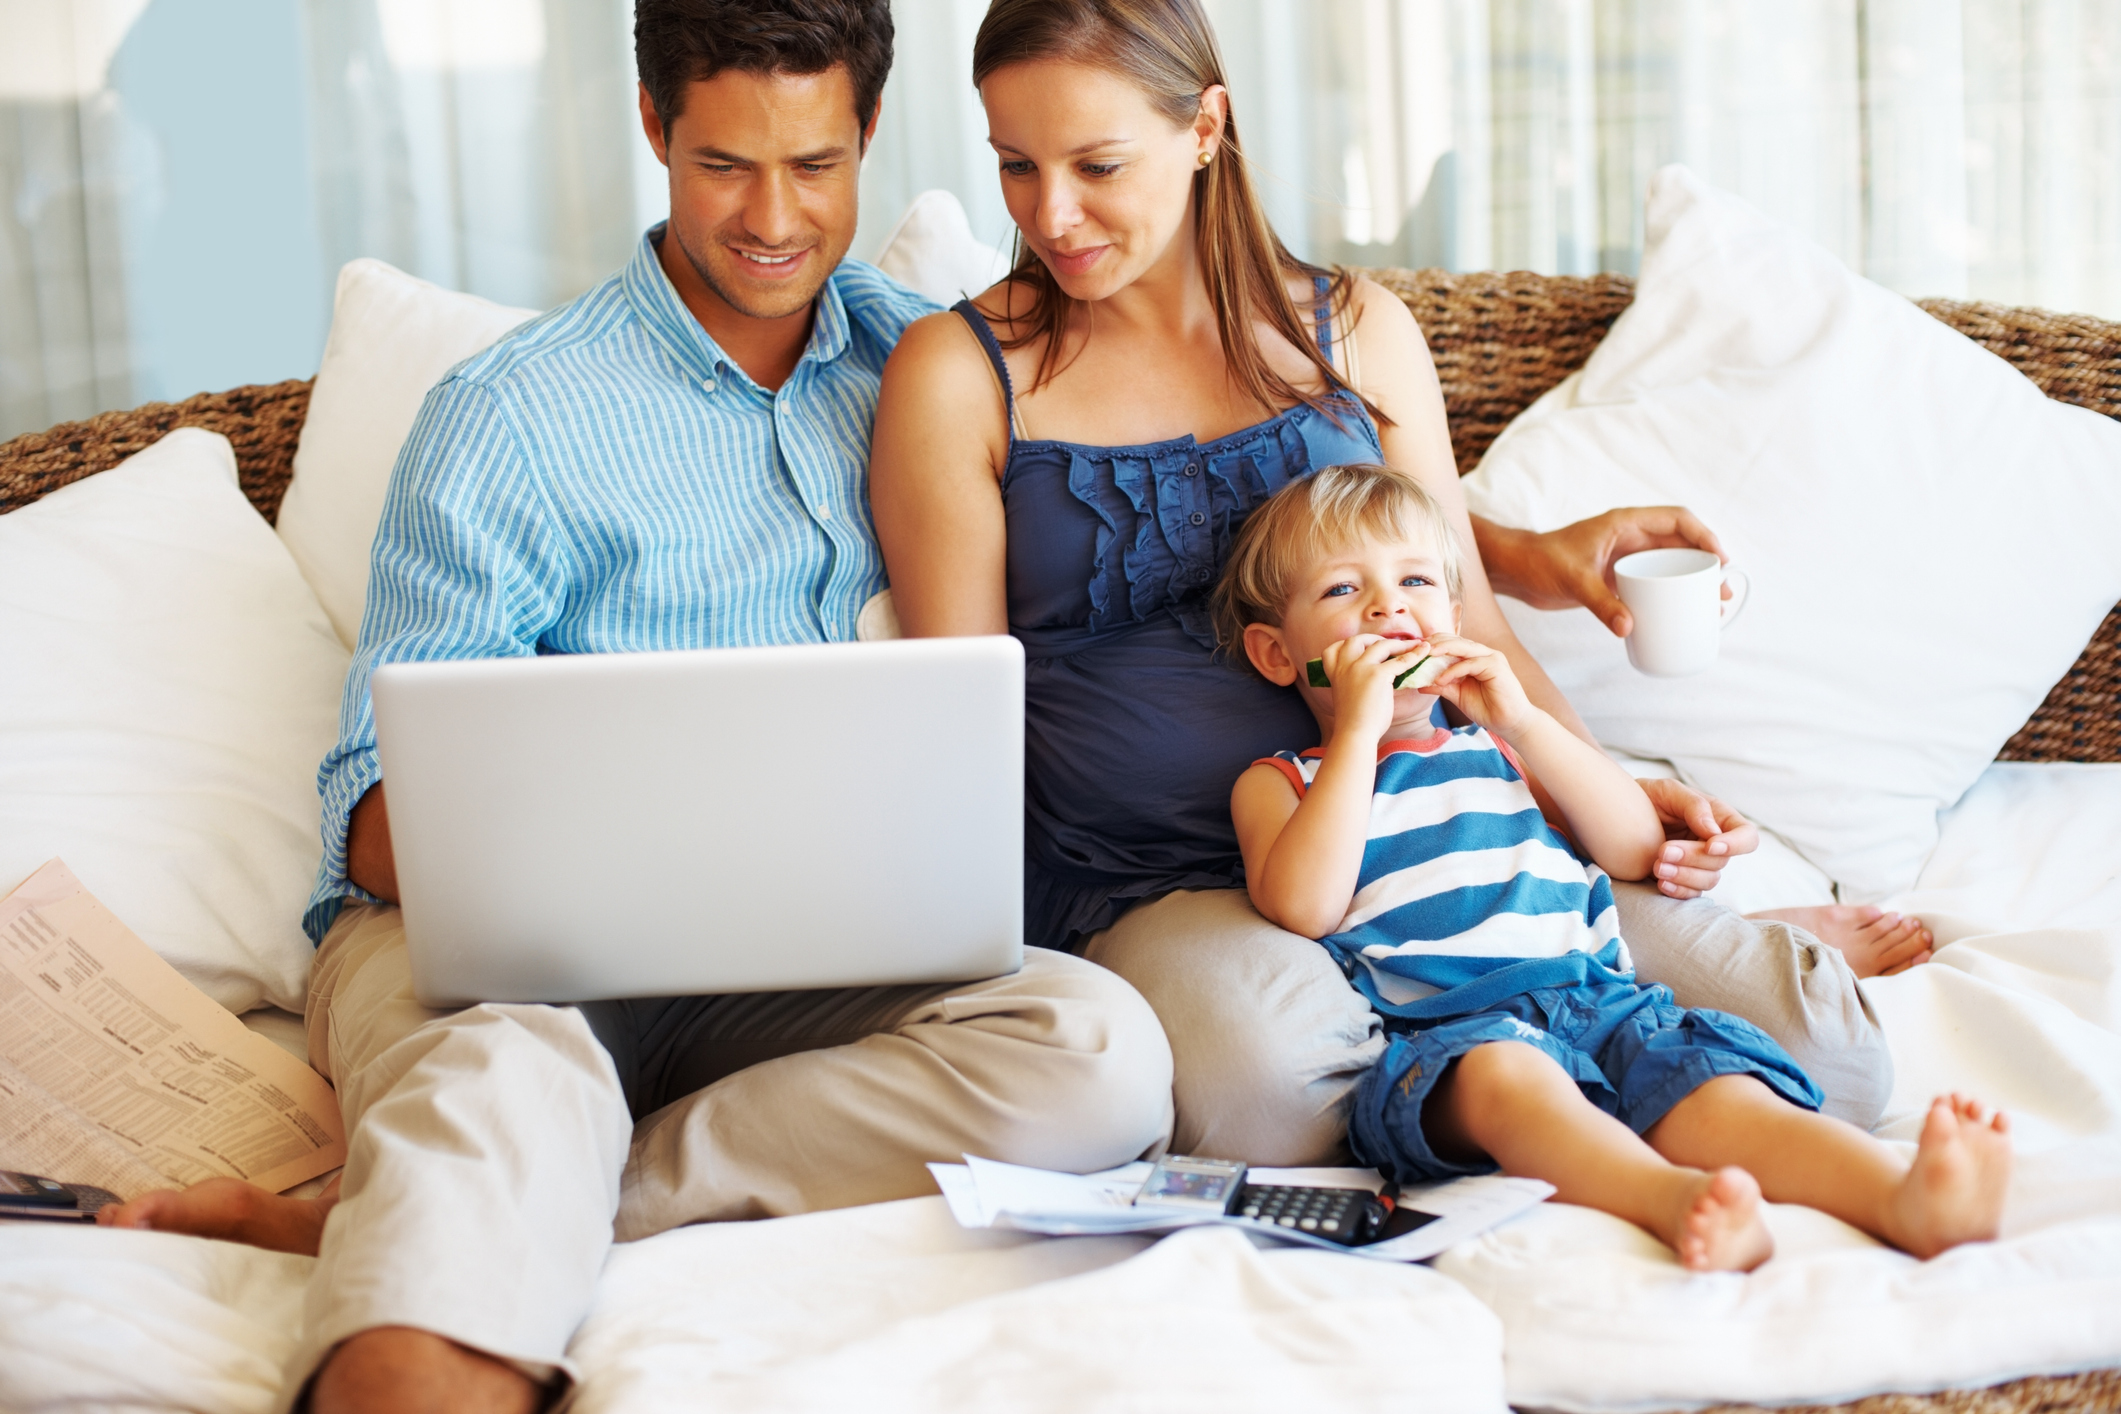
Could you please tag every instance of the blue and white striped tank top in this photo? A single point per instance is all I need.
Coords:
(1462, 879)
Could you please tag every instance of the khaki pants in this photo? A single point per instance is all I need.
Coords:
(1269, 1040)
(492, 1155)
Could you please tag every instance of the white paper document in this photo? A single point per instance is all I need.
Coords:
(984, 1193)
(115, 1071)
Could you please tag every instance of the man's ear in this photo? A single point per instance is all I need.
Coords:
(1458, 616)
(652, 125)
(869, 132)
(1269, 654)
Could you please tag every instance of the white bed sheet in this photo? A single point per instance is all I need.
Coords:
(896, 1306)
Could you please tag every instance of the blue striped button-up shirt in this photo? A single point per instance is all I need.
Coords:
(606, 480)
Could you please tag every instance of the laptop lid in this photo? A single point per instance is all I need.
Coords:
(722, 820)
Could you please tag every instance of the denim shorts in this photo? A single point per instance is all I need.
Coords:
(1631, 1049)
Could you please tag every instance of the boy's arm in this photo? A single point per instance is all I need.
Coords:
(1579, 789)
(1303, 854)
(1589, 798)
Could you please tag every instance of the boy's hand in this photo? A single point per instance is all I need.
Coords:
(1482, 685)
(1361, 670)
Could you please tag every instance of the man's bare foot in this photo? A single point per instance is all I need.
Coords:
(1719, 1228)
(406, 1371)
(1876, 943)
(232, 1211)
(1954, 1191)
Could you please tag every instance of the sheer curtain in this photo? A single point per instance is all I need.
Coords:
(181, 179)
(1964, 148)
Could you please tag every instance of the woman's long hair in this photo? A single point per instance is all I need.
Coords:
(1168, 49)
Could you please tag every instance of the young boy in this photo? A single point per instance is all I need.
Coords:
(1460, 878)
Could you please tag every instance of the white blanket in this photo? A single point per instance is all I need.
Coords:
(895, 1307)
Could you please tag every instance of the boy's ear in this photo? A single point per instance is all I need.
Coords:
(1269, 655)
(1458, 616)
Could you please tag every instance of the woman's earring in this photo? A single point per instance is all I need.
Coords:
(1206, 158)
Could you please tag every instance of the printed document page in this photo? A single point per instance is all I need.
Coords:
(116, 1071)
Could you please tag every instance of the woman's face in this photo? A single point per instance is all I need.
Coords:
(1099, 182)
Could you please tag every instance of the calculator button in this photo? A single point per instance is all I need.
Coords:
(1309, 1224)
(1330, 1225)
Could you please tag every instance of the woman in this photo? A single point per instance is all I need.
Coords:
(1065, 459)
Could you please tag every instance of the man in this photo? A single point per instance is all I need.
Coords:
(678, 459)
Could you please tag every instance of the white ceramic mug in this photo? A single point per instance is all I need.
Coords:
(1677, 601)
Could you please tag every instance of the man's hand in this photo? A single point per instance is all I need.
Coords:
(1574, 565)
(1701, 833)
(369, 861)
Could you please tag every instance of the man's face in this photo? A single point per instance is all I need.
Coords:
(763, 177)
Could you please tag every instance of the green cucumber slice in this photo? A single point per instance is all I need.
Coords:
(1427, 658)
(1420, 675)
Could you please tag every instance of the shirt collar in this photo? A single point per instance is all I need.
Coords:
(656, 300)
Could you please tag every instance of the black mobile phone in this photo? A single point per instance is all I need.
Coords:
(40, 1199)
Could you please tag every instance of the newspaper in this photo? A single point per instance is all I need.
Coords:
(985, 1193)
(116, 1071)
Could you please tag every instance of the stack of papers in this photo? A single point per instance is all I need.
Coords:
(984, 1193)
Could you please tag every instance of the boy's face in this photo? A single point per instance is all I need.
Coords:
(1369, 587)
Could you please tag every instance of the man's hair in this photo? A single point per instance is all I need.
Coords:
(677, 43)
(1308, 519)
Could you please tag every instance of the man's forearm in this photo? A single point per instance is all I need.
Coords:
(370, 864)
(1500, 547)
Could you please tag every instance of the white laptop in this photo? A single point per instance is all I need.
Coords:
(727, 820)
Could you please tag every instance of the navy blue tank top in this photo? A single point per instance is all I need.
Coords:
(1135, 728)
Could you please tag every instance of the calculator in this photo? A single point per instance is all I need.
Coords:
(1349, 1216)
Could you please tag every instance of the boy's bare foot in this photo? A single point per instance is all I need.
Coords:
(1954, 1192)
(1876, 943)
(1720, 1228)
(232, 1211)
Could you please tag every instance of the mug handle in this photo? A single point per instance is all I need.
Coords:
(1732, 610)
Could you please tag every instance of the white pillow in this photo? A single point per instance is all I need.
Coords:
(392, 338)
(170, 685)
(1931, 541)
(932, 249)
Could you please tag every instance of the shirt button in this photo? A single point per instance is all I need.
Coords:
(1192, 469)
(1197, 518)
(824, 513)
(707, 385)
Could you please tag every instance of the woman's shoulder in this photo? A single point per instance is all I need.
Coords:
(940, 345)
(1007, 306)
(1378, 307)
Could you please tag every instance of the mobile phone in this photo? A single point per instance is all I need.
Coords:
(29, 1195)
(1192, 1184)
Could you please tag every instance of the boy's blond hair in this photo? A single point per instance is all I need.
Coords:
(1309, 518)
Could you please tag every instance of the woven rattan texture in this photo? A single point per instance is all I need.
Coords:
(1500, 341)
(2095, 1393)
(262, 421)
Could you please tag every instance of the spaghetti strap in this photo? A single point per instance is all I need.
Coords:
(1322, 311)
(967, 311)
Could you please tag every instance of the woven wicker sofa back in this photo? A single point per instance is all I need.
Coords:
(1499, 342)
